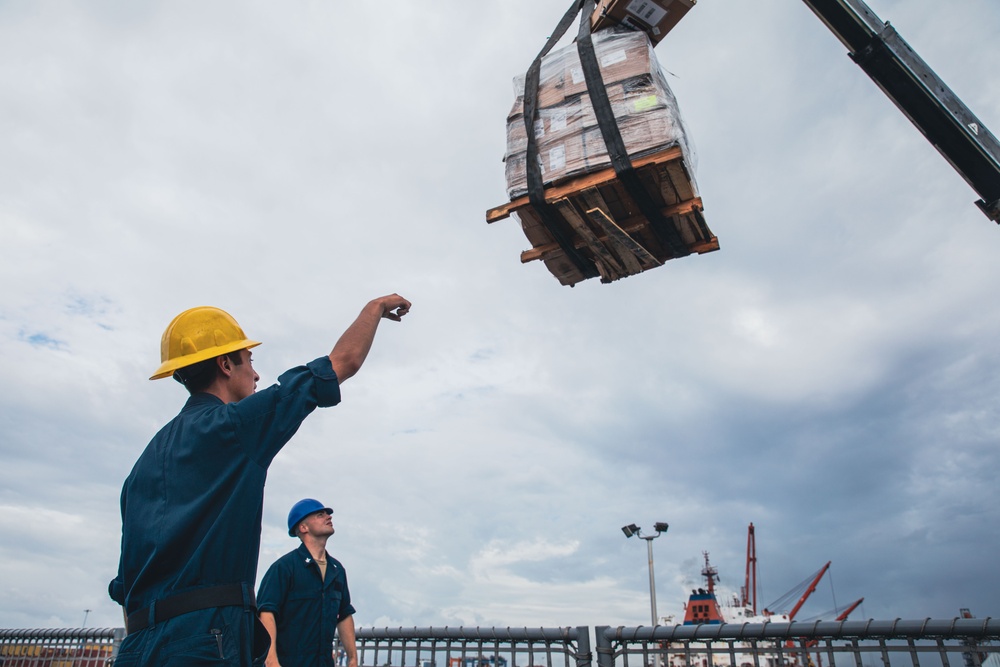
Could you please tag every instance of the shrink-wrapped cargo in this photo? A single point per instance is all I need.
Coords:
(615, 195)
(566, 127)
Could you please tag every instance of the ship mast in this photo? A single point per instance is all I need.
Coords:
(702, 606)
(710, 573)
(749, 592)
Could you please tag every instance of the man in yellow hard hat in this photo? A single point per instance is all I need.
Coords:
(192, 505)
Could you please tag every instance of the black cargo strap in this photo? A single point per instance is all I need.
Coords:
(536, 189)
(225, 595)
(664, 230)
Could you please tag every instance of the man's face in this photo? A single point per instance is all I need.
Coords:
(244, 377)
(319, 524)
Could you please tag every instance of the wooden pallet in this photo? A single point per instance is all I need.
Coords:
(608, 234)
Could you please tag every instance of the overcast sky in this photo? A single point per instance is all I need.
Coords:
(831, 374)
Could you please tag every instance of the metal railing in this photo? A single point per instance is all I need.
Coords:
(959, 642)
(927, 643)
(85, 647)
(474, 647)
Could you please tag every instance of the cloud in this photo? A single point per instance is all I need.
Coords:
(829, 374)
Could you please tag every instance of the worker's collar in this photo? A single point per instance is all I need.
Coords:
(202, 398)
(307, 559)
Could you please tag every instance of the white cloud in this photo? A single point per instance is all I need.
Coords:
(828, 374)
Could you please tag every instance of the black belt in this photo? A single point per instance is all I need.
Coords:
(226, 595)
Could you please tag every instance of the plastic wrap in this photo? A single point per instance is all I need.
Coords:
(567, 132)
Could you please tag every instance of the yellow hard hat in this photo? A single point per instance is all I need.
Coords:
(198, 334)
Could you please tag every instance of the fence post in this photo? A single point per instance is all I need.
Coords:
(605, 654)
(584, 658)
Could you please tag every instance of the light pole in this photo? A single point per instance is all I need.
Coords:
(660, 528)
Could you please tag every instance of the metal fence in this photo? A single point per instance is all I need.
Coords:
(474, 647)
(89, 647)
(927, 643)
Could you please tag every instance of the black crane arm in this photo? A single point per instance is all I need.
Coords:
(919, 93)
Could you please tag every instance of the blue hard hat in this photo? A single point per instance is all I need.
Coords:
(301, 510)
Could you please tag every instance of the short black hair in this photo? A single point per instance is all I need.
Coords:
(198, 377)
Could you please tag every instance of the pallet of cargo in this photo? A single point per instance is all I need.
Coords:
(598, 223)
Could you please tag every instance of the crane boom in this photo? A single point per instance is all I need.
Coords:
(920, 94)
(809, 591)
(847, 612)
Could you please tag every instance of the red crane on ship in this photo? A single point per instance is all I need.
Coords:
(847, 612)
(748, 594)
(809, 591)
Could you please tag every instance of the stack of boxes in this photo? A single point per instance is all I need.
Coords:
(595, 223)
(569, 139)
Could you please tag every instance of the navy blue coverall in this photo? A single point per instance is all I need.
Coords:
(191, 519)
(306, 607)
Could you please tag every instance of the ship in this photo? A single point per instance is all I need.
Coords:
(704, 608)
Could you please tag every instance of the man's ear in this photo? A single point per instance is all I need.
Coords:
(225, 366)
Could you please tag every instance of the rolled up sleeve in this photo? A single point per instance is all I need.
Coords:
(268, 419)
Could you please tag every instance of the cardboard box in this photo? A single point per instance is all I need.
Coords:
(654, 17)
(647, 124)
(621, 54)
(567, 132)
(640, 94)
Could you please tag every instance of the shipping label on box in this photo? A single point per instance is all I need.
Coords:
(647, 11)
(621, 54)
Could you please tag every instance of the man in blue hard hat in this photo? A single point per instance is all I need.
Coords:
(303, 597)
(192, 505)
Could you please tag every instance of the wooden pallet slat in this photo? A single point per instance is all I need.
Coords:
(667, 189)
(592, 200)
(607, 264)
(681, 179)
(631, 252)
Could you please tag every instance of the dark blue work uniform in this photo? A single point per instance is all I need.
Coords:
(306, 607)
(191, 519)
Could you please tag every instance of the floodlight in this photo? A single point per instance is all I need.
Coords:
(630, 530)
(661, 527)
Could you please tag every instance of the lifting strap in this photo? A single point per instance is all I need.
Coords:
(664, 230)
(536, 189)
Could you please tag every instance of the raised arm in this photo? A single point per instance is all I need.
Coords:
(352, 348)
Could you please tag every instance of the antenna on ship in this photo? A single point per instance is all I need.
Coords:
(710, 573)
